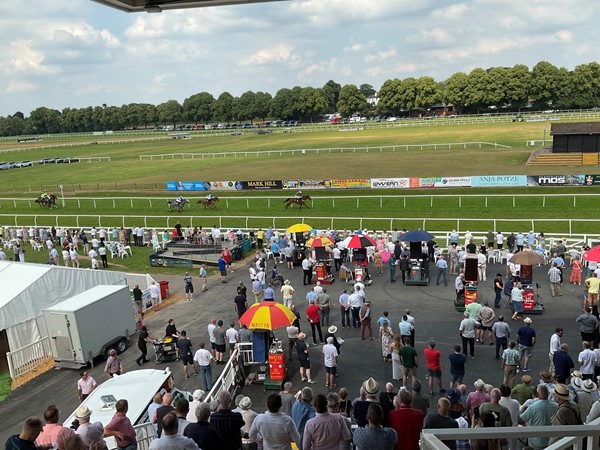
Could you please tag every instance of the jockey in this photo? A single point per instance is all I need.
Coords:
(298, 196)
(210, 197)
(179, 200)
(45, 196)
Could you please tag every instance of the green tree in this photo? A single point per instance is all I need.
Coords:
(312, 103)
(518, 84)
(170, 112)
(427, 93)
(282, 105)
(246, 107)
(263, 104)
(548, 84)
(367, 90)
(408, 93)
(11, 125)
(477, 89)
(585, 85)
(389, 97)
(331, 90)
(222, 108)
(351, 100)
(496, 87)
(44, 120)
(455, 91)
(197, 108)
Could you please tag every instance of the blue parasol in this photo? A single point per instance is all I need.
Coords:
(416, 236)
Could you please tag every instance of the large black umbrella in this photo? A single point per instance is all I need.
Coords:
(416, 236)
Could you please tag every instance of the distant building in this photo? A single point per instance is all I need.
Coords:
(372, 100)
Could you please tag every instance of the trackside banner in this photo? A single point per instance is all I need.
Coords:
(390, 183)
(352, 183)
(304, 184)
(555, 180)
(499, 180)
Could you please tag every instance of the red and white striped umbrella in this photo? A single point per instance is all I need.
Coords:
(358, 241)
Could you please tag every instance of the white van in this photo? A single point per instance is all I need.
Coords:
(138, 387)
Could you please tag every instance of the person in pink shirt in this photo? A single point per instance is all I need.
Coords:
(54, 432)
(120, 427)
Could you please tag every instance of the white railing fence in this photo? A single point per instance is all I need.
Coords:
(144, 434)
(566, 436)
(558, 226)
(28, 358)
(328, 150)
(227, 379)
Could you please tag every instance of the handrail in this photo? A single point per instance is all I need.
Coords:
(388, 223)
(565, 435)
(227, 379)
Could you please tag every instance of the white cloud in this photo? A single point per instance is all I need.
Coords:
(436, 35)
(382, 55)
(24, 58)
(15, 86)
(354, 48)
(451, 12)
(280, 53)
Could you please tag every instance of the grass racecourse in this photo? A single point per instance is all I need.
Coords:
(91, 187)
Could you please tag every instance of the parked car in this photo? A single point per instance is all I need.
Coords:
(4, 166)
(20, 164)
(392, 119)
(66, 160)
(48, 161)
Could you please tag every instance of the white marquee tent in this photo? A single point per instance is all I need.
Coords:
(27, 289)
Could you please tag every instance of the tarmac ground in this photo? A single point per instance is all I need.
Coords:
(432, 306)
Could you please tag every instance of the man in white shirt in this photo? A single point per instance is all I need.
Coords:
(232, 337)
(140, 237)
(211, 335)
(587, 361)
(355, 300)
(555, 341)
(171, 439)
(216, 234)
(203, 358)
(307, 268)
(155, 295)
(481, 266)
(499, 240)
(276, 428)
(330, 356)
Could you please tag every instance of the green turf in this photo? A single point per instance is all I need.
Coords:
(5, 385)
(126, 171)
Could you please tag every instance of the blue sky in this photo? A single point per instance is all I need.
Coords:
(76, 53)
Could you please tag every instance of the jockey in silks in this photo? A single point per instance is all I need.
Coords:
(179, 200)
(210, 197)
(298, 196)
(45, 196)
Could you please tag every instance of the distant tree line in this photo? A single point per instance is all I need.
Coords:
(512, 88)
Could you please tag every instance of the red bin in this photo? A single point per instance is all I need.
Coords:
(277, 366)
(164, 289)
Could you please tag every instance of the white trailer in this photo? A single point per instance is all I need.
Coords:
(90, 324)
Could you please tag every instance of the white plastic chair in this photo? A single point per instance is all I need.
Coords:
(113, 251)
(493, 256)
(437, 253)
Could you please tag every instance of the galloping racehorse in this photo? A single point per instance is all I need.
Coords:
(293, 200)
(212, 203)
(48, 200)
(179, 206)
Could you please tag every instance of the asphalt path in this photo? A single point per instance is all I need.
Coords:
(432, 306)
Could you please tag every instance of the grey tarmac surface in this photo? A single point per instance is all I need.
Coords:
(432, 306)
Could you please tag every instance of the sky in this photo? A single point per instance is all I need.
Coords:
(78, 53)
